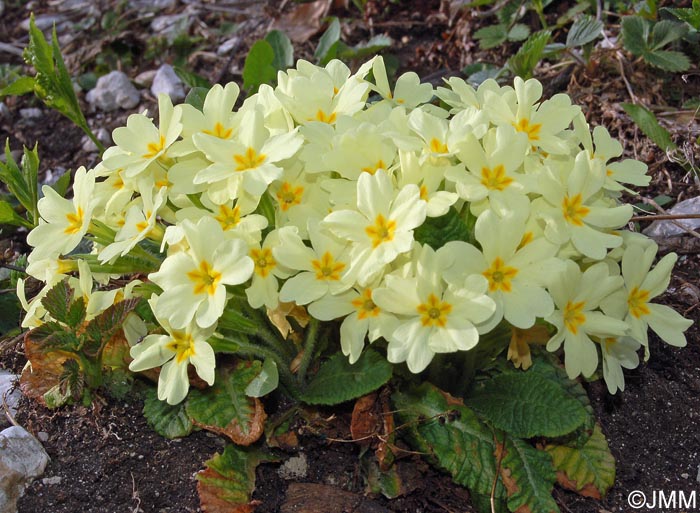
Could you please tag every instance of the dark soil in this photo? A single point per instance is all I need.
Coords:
(106, 459)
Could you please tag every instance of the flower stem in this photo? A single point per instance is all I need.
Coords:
(309, 349)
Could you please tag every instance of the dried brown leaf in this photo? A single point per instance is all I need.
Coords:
(304, 21)
(235, 431)
(365, 423)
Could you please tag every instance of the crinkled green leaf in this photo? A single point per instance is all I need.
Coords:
(588, 470)
(518, 32)
(528, 476)
(689, 15)
(61, 185)
(282, 49)
(170, 421)
(525, 404)
(440, 426)
(665, 32)
(102, 328)
(57, 301)
(330, 37)
(362, 50)
(635, 34)
(491, 36)
(438, 231)
(523, 63)
(647, 122)
(229, 479)
(338, 381)
(225, 408)
(76, 313)
(584, 30)
(258, 68)
(668, 60)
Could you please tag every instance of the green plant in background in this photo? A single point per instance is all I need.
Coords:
(647, 40)
(52, 84)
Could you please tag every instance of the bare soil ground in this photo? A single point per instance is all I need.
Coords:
(106, 459)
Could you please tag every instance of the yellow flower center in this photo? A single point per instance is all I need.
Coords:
(573, 316)
(249, 160)
(499, 275)
(532, 130)
(288, 196)
(573, 210)
(423, 192)
(229, 217)
(373, 169)
(437, 146)
(205, 279)
(75, 221)
(434, 312)
(325, 118)
(381, 231)
(219, 131)
(637, 302)
(327, 268)
(154, 148)
(264, 261)
(495, 179)
(365, 306)
(182, 344)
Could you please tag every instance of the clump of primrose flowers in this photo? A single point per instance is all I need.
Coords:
(319, 192)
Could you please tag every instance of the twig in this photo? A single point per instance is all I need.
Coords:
(664, 217)
(13, 268)
(659, 208)
(135, 495)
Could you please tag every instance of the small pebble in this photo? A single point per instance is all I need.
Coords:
(52, 480)
(685, 475)
(43, 436)
(31, 113)
(166, 81)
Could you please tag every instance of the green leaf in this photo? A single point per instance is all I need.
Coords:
(225, 408)
(9, 216)
(635, 34)
(258, 68)
(22, 85)
(668, 60)
(647, 122)
(589, 470)
(265, 382)
(438, 231)
(523, 63)
(439, 426)
(690, 16)
(196, 97)
(584, 30)
(76, 313)
(102, 328)
(11, 311)
(338, 381)
(57, 301)
(229, 479)
(528, 476)
(665, 32)
(61, 185)
(524, 404)
(330, 37)
(282, 48)
(191, 79)
(170, 421)
(362, 50)
(518, 32)
(491, 36)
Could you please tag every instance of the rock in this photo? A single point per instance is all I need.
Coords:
(294, 468)
(4, 111)
(102, 135)
(229, 46)
(10, 393)
(166, 81)
(665, 229)
(170, 26)
(43, 436)
(45, 22)
(52, 480)
(22, 458)
(152, 5)
(31, 113)
(114, 91)
(145, 79)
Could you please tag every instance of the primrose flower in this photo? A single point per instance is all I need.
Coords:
(516, 272)
(216, 117)
(63, 222)
(434, 318)
(571, 211)
(633, 301)
(324, 266)
(264, 289)
(141, 143)
(194, 281)
(248, 162)
(174, 352)
(382, 226)
(577, 297)
(408, 91)
(618, 352)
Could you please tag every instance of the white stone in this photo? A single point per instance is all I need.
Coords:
(166, 81)
(294, 468)
(170, 26)
(10, 393)
(22, 458)
(145, 78)
(114, 91)
(52, 480)
(31, 113)
(228, 46)
(664, 229)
